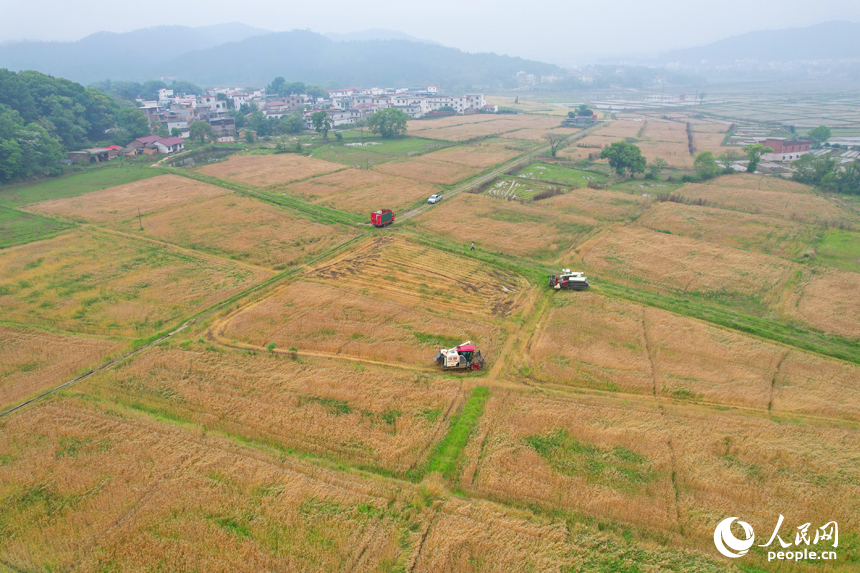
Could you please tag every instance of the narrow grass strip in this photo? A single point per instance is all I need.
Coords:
(444, 457)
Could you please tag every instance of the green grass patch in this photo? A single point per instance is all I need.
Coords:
(74, 184)
(17, 227)
(840, 249)
(556, 173)
(447, 452)
(618, 468)
(441, 340)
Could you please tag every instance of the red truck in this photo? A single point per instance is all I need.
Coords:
(382, 218)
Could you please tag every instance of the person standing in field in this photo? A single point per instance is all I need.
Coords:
(473, 245)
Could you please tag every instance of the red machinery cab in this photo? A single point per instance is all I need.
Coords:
(382, 218)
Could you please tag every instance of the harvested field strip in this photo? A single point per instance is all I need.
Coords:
(428, 170)
(424, 275)
(32, 360)
(810, 340)
(447, 452)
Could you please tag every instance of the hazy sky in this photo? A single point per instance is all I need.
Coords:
(560, 31)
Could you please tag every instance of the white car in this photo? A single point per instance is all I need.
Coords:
(434, 199)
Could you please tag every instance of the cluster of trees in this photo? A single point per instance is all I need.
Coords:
(283, 88)
(41, 117)
(827, 173)
(582, 110)
(130, 91)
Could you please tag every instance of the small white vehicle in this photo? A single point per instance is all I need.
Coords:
(434, 199)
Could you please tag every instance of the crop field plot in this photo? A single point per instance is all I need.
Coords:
(479, 157)
(244, 229)
(556, 173)
(428, 170)
(34, 360)
(374, 325)
(417, 125)
(621, 129)
(535, 127)
(71, 185)
(661, 466)
(709, 141)
(598, 204)
(500, 225)
(360, 191)
(100, 283)
(123, 202)
(98, 490)
(266, 170)
(610, 344)
(17, 227)
(741, 195)
(376, 151)
(829, 301)
(676, 154)
(537, 134)
(366, 415)
(839, 249)
(758, 233)
(682, 265)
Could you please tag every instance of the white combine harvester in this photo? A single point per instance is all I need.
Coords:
(465, 357)
(569, 280)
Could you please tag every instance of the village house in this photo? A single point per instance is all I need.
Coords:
(169, 145)
(786, 149)
(92, 155)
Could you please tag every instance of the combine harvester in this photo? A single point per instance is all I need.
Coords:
(463, 357)
(569, 280)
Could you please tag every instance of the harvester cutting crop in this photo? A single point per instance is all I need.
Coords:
(569, 280)
(465, 357)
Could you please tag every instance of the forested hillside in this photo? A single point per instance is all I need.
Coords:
(42, 117)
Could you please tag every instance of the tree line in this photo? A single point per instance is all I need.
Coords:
(42, 117)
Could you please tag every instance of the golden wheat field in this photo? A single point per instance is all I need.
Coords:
(109, 488)
(789, 203)
(828, 300)
(595, 203)
(244, 229)
(660, 466)
(97, 282)
(361, 191)
(427, 170)
(507, 226)
(308, 404)
(536, 125)
(621, 129)
(377, 326)
(32, 360)
(760, 233)
(479, 157)
(679, 264)
(123, 202)
(266, 170)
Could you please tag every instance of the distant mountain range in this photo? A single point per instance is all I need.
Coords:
(828, 41)
(243, 55)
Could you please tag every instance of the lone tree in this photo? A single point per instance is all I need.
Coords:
(705, 165)
(754, 153)
(728, 158)
(322, 123)
(702, 97)
(388, 123)
(624, 156)
(200, 130)
(658, 165)
(556, 140)
(820, 134)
